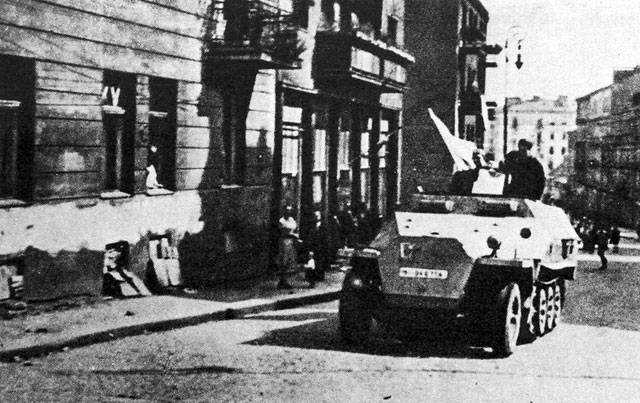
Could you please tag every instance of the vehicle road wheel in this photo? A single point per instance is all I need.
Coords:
(557, 304)
(540, 314)
(527, 329)
(355, 318)
(551, 311)
(508, 318)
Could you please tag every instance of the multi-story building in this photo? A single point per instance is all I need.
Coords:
(544, 122)
(606, 184)
(239, 106)
(448, 39)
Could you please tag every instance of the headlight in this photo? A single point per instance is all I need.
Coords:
(493, 243)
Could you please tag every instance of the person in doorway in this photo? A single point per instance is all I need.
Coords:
(525, 172)
(333, 233)
(347, 224)
(311, 270)
(602, 240)
(287, 243)
(363, 226)
(318, 244)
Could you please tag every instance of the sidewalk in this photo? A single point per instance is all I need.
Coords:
(611, 257)
(629, 234)
(36, 334)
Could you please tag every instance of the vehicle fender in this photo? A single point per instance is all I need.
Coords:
(486, 280)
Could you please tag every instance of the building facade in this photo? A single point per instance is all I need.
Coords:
(606, 183)
(544, 122)
(190, 121)
(448, 39)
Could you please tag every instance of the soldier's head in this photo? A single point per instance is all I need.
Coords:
(524, 146)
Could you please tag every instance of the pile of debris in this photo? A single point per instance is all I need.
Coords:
(9, 309)
(11, 283)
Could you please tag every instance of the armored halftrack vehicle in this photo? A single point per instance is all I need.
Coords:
(500, 263)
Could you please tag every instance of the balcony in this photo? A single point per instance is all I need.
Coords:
(471, 34)
(251, 32)
(353, 57)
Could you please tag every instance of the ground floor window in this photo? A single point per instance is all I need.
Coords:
(162, 133)
(291, 164)
(17, 99)
(119, 120)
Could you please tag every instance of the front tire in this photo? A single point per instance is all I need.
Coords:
(355, 318)
(508, 319)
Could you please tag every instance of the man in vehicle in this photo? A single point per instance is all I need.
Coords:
(525, 175)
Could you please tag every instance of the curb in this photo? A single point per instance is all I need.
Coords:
(17, 354)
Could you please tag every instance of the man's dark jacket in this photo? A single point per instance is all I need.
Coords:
(527, 176)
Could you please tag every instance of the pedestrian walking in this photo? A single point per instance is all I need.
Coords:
(602, 240)
(590, 238)
(287, 243)
(614, 238)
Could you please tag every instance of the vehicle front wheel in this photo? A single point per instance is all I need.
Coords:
(355, 318)
(508, 316)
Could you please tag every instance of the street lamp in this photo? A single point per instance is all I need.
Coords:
(514, 35)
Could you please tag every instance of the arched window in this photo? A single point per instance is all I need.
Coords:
(550, 150)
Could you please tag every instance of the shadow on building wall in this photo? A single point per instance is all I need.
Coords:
(235, 191)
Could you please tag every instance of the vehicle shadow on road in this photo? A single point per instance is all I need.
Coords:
(323, 334)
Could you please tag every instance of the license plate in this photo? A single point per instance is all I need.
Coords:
(423, 273)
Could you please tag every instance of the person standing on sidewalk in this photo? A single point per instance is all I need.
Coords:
(602, 240)
(287, 243)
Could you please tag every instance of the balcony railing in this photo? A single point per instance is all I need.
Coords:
(254, 31)
(358, 56)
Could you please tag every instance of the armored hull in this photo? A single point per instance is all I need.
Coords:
(500, 262)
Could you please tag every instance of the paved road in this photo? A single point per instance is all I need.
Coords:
(294, 355)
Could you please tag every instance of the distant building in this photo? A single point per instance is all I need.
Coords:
(448, 39)
(606, 184)
(544, 122)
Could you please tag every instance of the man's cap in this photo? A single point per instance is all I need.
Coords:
(525, 143)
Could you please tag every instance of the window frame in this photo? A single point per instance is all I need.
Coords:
(119, 127)
(17, 99)
(164, 111)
